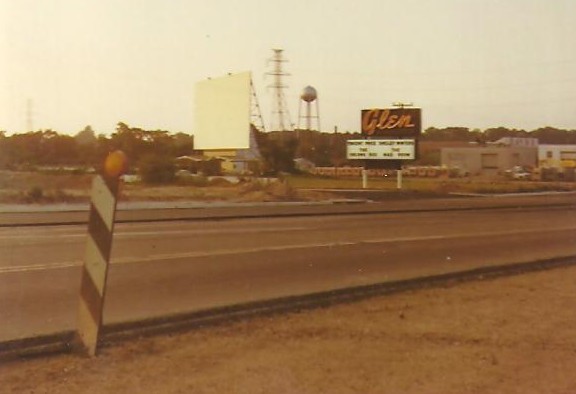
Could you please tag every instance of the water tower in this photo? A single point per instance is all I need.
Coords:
(308, 96)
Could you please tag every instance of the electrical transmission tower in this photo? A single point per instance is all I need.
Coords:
(255, 112)
(280, 119)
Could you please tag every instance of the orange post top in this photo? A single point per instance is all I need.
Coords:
(116, 164)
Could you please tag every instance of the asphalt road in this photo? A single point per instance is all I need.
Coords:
(162, 268)
(33, 215)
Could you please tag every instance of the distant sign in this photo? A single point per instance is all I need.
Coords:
(404, 149)
(392, 122)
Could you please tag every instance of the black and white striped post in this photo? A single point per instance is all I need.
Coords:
(98, 249)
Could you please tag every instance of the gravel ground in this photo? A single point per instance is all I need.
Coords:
(508, 335)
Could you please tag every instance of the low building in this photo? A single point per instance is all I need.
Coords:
(557, 162)
(557, 156)
(519, 142)
(489, 160)
(199, 165)
(239, 161)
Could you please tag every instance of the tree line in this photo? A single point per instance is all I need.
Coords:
(545, 135)
(50, 148)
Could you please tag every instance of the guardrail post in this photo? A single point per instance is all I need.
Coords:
(98, 249)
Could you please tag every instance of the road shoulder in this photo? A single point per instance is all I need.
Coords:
(509, 335)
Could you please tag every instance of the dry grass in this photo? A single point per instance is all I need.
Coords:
(34, 187)
(435, 185)
(37, 187)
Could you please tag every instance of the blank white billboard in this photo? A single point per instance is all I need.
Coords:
(222, 112)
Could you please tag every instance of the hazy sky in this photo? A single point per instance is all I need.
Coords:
(472, 63)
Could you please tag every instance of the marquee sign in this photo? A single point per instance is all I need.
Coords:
(404, 149)
(392, 122)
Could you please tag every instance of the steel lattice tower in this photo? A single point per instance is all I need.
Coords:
(280, 119)
(255, 113)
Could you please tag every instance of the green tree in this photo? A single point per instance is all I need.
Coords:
(87, 146)
(157, 169)
(551, 135)
(3, 153)
(129, 140)
(278, 151)
(138, 143)
(183, 144)
(496, 133)
(86, 136)
(23, 149)
(447, 134)
(56, 149)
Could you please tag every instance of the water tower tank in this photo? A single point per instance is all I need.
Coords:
(309, 94)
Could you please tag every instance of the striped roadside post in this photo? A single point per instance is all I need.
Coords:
(98, 249)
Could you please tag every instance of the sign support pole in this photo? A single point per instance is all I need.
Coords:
(364, 178)
(399, 179)
(98, 250)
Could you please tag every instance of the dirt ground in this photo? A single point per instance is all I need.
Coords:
(508, 335)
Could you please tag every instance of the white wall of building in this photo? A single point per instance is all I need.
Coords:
(557, 156)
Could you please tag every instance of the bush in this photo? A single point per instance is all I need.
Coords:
(157, 169)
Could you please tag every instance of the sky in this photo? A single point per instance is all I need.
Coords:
(66, 64)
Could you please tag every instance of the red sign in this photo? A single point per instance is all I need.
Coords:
(394, 122)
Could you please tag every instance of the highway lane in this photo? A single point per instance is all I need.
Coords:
(11, 215)
(171, 267)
